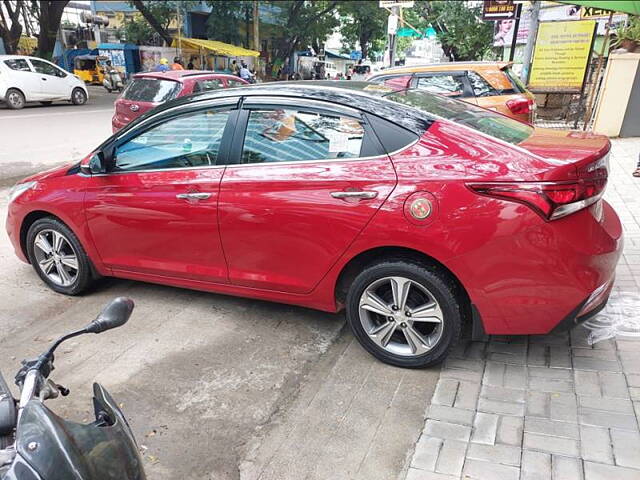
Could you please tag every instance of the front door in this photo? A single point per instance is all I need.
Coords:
(53, 81)
(156, 212)
(306, 183)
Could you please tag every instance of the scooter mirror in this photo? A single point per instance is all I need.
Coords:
(114, 315)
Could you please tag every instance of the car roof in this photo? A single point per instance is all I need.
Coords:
(7, 57)
(363, 96)
(480, 65)
(181, 75)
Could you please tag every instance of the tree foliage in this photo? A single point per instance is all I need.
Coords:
(226, 18)
(49, 17)
(363, 23)
(137, 31)
(458, 25)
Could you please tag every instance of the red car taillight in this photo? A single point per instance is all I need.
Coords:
(519, 106)
(553, 200)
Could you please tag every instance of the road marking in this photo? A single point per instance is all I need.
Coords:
(54, 114)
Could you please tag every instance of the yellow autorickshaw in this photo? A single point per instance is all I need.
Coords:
(89, 68)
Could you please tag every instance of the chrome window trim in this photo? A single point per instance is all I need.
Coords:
(250, 103)
(152, 170)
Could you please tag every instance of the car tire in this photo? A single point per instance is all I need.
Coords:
(414, 336)
(58, 258)
(78, 97)
(48, 102)
(14, 99)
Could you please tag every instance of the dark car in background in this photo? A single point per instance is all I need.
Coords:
(148, 90)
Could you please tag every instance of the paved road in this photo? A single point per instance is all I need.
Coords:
(214, 386)
(39, 137)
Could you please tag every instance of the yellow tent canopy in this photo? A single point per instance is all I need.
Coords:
(215, 47)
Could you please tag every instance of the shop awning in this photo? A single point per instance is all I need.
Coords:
(623, 6)
(215, 47)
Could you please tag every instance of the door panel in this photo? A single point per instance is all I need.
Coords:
(283, 222)
(157, 212)
(52, 80)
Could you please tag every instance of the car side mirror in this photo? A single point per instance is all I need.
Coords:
(93, 164)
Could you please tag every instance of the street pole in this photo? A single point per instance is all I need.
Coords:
(96, 27)
(179, 44)
(392, 41)
(256, 27)
(515, 33)
(531, 40)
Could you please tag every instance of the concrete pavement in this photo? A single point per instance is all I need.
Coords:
(214, 387)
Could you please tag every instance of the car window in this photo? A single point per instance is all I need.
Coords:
(234, 83)
(191, 140)
(448, 85)
(19, 64)
(151, 90)
(285, 135)
(207, 84)
(480, 86)
(47, 69)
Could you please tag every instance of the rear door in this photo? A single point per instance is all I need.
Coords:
(22, 76)
(307, 177)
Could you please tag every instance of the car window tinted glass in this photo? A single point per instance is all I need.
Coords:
(47, 68)
(291, 135)
(234, 83)
(19, 64)
(481, 87)
(187, 141)
(448, 85)
(518, 86)
(151, 90)
(485, 121)
(208, 84)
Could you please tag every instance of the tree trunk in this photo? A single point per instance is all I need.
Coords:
(364, 45)
(11, 35)
(49, 20)
(153, 22)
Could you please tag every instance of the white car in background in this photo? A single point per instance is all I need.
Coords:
(28, 79)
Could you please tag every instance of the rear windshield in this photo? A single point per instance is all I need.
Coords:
(151, 90)
(517, 84)
(485, 121)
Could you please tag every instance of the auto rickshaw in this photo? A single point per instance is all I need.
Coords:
(90, 68)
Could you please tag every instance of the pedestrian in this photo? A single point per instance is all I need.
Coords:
(245, 74)
(235, 70)
(349, 73)
(636, 173)
(177, 64)
(163, 66)
(190, 65)
(254, 76)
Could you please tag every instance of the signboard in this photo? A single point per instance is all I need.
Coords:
(498, 9)
(355, 55)
(396, 3)
(561, 56)
(392, 24)
(592, 12)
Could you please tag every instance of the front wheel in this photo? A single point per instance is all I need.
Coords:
(404, 314)
(58, 257)
(78, 97)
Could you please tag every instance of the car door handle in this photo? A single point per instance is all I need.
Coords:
(44, 79)
(356, 194)
(193, 196)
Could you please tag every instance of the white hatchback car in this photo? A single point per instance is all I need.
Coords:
(29, 79)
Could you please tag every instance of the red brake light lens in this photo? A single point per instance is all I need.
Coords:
(519, 106)
(553, 200)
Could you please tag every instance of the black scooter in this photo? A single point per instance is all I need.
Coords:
(36, 444)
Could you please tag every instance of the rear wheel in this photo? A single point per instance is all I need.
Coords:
(404, 314)
(15, 99)
(58, 257)
(78, 97)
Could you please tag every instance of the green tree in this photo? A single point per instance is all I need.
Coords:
(304, 23)
(364, 23)
(458, 25)
(49, 14)
(226, 18)
(160, 13)
(10, 26)
(137, 31)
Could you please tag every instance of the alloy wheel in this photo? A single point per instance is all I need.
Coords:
(78, 97)
(401, 316)
(56, 257)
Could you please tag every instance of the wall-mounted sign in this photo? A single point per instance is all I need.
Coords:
(561, 56)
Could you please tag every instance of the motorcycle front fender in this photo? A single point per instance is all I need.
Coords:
(60, 450)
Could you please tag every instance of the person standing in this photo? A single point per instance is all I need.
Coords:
(190, 65)
(177, 64)
(235, 70)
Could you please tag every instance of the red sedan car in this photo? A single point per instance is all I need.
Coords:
(412, 211)
(148, 90)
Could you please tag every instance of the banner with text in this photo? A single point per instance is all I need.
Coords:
(561, 56)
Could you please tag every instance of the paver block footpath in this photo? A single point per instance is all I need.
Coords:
(544, 407)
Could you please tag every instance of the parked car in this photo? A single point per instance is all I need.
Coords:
(491, 85)
(29, 79)
(413, 211)
(148, 90)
